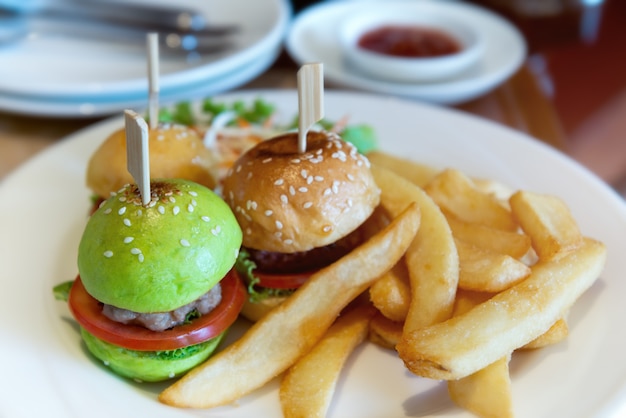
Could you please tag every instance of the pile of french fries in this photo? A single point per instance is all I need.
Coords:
(462, 274)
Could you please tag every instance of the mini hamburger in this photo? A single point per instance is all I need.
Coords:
(176, 151)
(155, 292)
(298, 211)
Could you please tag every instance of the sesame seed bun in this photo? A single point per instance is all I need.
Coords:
(158, 257)
(176, 151)
(287, 202)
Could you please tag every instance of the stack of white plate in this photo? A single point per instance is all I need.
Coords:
(50, 74)
(314, 36)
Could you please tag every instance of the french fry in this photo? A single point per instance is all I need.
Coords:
(431, 258)
(548, 222)
(455, 193)
(488, 271)
(417, 173)
(289, 331)
(307, 388)
(557, 333)
(385, 332)
(487, 392)
(511, 243)
(391, 293)
(467, 343)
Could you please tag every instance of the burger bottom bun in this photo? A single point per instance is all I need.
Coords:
(254, 311)
(150, 366)
(176, 151)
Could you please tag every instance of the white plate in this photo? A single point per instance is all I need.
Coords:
(98, 106)
(43, 207)
(56, 66)
(314, 36)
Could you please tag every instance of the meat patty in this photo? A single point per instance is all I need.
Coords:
(160, 321)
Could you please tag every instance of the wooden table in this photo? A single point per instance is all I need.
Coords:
(522, 103)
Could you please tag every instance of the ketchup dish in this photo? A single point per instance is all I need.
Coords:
(393, 44)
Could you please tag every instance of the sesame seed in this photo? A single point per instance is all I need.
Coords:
(176, 210)
(279, 182)
(215, 231)
(307, 205)
(269, 212)
(102, 204)
(295, 160)
(304, 173)
(108, 254)
(190, 207)
(283, 198)
(193, 202)
(161, 210)
(122, 210)
(139, 212)
(193, 193)
(309, 180)
(288, 241)
(278, 234)
(140, 258)
(327, 192)
(350, 177)
(172, 199)
(292, 190)
(128, 240)
(122, 199)
(184, 243)
(238, 169)
(249, 176)
(279, 225)
(303, 189)
(135, 251)
(335, 187)
(126, 222)
(327, 228)
(318, 178)
(205, 218)
(107, 211)
(248, 231)
(267, 160)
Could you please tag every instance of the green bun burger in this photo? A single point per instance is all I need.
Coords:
(156, 292)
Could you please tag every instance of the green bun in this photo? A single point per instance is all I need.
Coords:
(158, 257)
(150, 366)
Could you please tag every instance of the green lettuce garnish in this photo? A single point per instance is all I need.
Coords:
(245, 267)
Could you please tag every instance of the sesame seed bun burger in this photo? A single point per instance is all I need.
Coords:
(298, 211)
(155, 292)
(176, 151)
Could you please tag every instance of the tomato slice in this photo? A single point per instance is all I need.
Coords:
(282, 280)
(88, 313)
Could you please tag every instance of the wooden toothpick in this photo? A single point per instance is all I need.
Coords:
(137, 153)
(310, 100)
(153, 79)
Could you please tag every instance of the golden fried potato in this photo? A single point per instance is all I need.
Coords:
(467, 343)
(308, 386)
(391, 293)
(289, 331)
(455, 193)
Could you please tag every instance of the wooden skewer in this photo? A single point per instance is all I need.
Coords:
(310, 100)
(137, 153)
(153, 79)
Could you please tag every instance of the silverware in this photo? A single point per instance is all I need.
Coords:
(148, 16)
(203, 39)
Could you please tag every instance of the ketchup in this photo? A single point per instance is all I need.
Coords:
(409, 42)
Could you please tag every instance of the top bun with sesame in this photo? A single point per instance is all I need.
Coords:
(289, 202)
(156, 292)
(298, 211)
(176, 151)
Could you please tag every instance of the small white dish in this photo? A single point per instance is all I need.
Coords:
(416, 35)
(314, 37)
